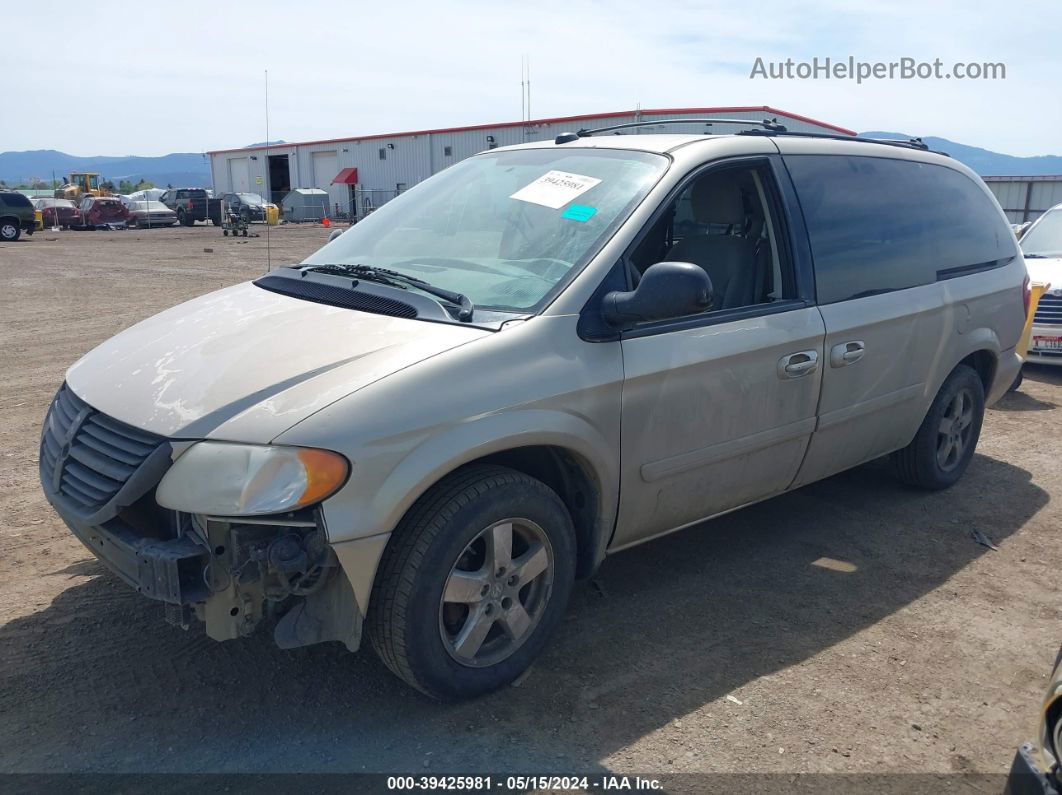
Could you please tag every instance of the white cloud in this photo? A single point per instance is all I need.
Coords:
(107, 81)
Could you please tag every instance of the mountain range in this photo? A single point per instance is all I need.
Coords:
(192, 169)
(185, 169)
(983, 161)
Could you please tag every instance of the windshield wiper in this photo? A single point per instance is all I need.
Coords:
(396, 279)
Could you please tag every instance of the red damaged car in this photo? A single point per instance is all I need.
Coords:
(58, 212)
(97, 211)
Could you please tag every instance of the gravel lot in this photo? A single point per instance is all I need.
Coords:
(720, 648)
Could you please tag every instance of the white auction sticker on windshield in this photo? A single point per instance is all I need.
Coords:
(555, 189)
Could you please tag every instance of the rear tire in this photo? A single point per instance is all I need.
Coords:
(941, 450)
(456, 609)
(9, 231)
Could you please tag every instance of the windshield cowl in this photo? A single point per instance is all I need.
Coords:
(351, 292)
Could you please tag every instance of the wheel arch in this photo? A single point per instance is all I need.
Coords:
(984, 362)
(979, 349)
(562, 450)
(574, 480)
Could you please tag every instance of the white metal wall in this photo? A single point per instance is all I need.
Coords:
(1026, 198)
(390, 164)
(239, 175)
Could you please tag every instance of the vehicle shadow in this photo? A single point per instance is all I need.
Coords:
(1045, 374)
(1021, 400)
(96, 681)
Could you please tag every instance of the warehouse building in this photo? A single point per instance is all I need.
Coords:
(1026, 198)
(363, 172)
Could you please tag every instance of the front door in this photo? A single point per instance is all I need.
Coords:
(718, 408)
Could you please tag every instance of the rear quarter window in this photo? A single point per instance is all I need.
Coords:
(877, 225)
(15, 200)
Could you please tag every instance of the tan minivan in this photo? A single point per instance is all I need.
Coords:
(544, 354)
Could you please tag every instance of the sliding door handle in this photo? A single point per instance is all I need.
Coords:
(797, 365)
(847, 353)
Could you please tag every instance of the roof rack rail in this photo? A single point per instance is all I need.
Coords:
(770, 125)
(910, 143)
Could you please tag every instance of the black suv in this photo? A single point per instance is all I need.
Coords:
(191, 205)
(249, 206)
(16, 216)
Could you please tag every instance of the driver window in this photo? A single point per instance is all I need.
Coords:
(722, 222)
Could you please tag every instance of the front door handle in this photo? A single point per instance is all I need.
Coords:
(847, 353)
(796, 365)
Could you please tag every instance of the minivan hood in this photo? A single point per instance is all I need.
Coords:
(245, 364)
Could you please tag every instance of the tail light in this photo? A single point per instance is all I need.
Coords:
(1026, 295)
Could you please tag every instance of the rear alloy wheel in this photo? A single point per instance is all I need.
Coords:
(9, 231)
(941, 450)
(473, 582)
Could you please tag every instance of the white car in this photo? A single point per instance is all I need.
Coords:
(146, 195)
(1042, 244)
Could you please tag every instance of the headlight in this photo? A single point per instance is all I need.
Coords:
(244, 480)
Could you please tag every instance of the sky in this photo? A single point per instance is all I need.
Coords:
(103, 79)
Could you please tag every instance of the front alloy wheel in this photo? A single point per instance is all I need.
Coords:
(496, 593)
(474, 580)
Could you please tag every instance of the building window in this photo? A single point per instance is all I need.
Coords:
(448, 151)
(383, 154)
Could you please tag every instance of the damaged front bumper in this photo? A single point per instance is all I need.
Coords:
(231, 573)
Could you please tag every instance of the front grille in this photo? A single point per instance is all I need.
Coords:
(1049, 311)
(92, 454)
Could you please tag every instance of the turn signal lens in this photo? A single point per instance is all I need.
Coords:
(325, 472)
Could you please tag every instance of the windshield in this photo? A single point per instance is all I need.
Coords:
(505, 228)
(1045, 237)
(251, 198)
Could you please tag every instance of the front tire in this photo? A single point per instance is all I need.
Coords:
(941, 450)
(473, 582)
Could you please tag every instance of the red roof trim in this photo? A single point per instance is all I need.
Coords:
(347, 176)
(766, 109)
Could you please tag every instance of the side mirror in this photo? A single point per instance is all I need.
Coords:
(667, 290)
(335, 233)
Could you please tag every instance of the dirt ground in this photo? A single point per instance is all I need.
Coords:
(720, 648)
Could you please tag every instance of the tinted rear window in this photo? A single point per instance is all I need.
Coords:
(878, 225)
(15, 200)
